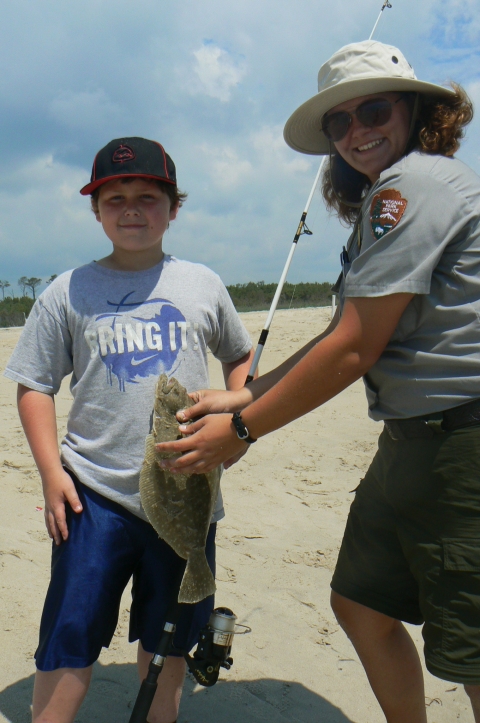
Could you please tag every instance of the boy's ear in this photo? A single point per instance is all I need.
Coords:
(174, 211)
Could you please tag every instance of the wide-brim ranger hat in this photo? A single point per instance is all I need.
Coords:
(130, 157)
(354, 70)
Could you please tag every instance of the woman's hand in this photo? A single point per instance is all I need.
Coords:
(58, 491)
(215, 401)
(211, 441)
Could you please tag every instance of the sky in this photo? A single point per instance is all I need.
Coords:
(214, 82)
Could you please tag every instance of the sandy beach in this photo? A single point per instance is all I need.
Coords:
(286, 506)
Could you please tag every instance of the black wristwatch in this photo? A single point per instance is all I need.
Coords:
(241, 430)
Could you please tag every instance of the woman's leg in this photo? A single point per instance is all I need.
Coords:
(389, 657)
(58, 694)
(170, 683)
(473, 692)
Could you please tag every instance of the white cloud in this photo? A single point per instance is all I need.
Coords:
(218, 106)
(460, 21)
(226, 168)
(57, 229)
(271, 148)
(217, 71)
(260, 158)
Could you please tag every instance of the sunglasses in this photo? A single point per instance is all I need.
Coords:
(370, 113)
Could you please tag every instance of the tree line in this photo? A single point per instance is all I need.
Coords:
(253, 296)
(258, 296)
(25, 283)
(15, 309)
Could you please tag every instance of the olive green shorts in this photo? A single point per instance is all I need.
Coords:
(411, 548)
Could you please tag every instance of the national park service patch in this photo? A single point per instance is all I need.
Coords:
(386, 210)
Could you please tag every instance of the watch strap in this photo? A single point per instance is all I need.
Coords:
(241, 429)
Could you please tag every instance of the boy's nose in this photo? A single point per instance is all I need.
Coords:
(131, 209)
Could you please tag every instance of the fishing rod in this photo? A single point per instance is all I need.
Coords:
(215, 639)
(386, 4)
(212, 652)
(302, 229)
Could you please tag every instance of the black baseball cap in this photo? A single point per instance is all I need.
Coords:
(130, 157)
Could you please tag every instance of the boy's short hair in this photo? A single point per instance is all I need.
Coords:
(130, 158)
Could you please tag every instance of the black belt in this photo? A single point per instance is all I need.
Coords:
(429, 425)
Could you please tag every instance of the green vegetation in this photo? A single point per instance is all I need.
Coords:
(254, 296)
(257, 296)
(14, 311)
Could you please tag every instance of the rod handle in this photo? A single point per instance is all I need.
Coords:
(144, 702)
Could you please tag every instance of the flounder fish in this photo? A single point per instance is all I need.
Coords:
(178, 506)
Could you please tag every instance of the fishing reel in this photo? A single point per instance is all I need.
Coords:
(214, 647)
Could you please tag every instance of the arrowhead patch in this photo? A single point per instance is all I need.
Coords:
(386, 210)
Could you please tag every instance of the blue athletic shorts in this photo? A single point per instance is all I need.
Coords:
(106, 546)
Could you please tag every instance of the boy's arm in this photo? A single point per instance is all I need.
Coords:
(236, 372)
(37, 414)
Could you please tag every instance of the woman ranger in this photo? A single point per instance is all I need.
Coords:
(409, 323)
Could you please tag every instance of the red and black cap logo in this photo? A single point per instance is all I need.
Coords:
(123, 154)
(130, 157)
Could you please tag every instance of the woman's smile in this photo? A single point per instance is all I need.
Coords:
(372, 150)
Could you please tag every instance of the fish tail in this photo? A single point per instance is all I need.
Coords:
(198, 581)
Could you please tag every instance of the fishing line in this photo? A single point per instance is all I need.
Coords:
(301, 230)
(291, 300)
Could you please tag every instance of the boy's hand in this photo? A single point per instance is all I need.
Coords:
(58, 491)
(215, 401)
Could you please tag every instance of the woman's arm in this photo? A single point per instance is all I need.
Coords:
(235, 374)
(330, 366)
(212, 401)
(37, 414)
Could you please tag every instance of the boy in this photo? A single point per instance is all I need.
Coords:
(116, 324)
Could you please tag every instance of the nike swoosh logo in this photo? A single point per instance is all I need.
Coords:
(137, 362)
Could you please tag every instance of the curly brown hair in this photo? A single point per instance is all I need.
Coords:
(438, 129)
(177, 197)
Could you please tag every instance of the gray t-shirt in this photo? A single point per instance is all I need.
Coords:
(420, 233)
(116, 331)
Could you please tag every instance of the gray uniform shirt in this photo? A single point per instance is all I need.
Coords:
(420, 233)
(116, 331)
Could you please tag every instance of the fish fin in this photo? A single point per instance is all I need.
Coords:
(198, 581)
(150, 477)
(150, 449)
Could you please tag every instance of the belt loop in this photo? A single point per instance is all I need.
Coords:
(394, 431)
(436, 425)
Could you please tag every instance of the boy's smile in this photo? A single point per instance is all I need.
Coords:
(134, 215)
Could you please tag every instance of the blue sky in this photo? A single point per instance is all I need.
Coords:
(214, 82)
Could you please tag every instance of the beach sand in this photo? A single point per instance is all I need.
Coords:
(286, 505)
